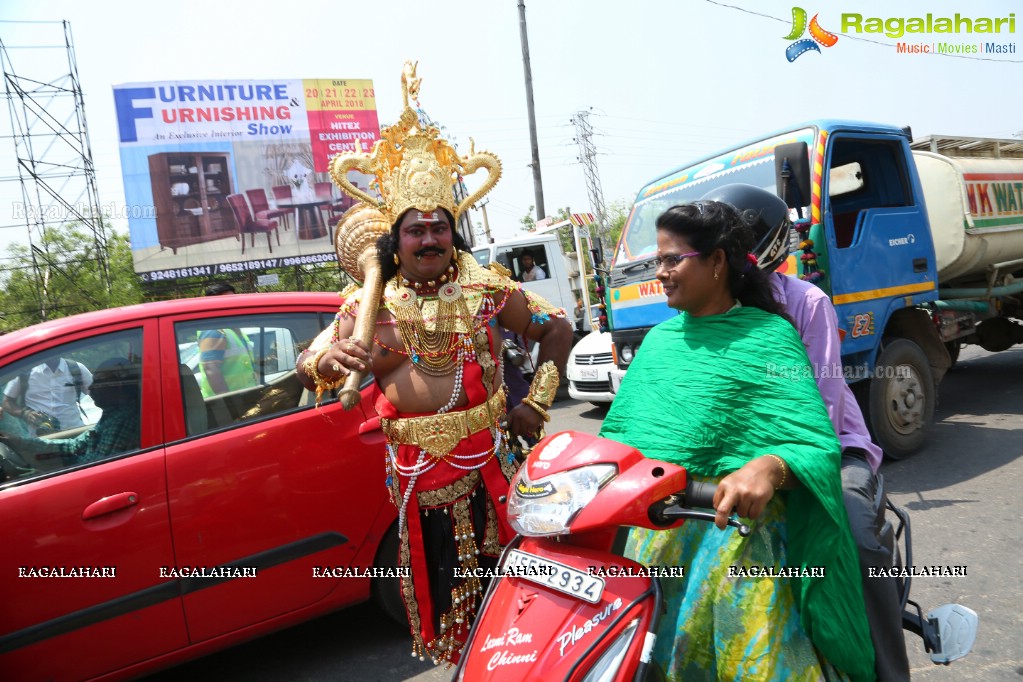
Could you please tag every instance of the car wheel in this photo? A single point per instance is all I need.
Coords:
(902, 395)
(386, 592)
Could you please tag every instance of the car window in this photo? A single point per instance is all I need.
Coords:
(241, 368)
(71, 404)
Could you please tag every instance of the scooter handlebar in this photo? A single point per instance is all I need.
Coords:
(696, 494)
(700, 494)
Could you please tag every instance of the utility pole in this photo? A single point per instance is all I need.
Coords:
(588, 158)
(535, 165)
(486, 223)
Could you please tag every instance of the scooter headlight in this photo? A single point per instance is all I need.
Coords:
(548, 505)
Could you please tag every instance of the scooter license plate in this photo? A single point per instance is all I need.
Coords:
(554, 575)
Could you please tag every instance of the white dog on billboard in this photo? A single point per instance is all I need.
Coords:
(298, 176)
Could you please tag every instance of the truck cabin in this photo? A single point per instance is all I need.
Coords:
(864, 174)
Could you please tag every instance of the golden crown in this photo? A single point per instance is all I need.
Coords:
(413, 166)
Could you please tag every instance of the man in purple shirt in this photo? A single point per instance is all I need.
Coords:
(815, 319)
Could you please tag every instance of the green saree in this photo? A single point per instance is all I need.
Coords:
(710, 394)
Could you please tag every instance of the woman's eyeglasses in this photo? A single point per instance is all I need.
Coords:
(672, 260)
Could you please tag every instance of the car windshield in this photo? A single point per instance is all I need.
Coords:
(482, 256)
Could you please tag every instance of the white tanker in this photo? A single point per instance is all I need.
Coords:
(975, 209)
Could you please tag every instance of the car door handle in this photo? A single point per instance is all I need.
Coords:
(110, 504)
(370, 425)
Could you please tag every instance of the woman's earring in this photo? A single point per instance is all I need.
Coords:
(715, 274)
(396, 261)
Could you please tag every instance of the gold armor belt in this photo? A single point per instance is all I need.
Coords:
(439, 434)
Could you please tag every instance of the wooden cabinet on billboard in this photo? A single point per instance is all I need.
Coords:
(190, 191)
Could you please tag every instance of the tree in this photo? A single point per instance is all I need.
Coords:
(528, 221)
(617, 213)
(59, 276)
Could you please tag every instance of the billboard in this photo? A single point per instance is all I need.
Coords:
(225, 176)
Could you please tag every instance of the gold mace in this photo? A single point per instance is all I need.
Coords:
(357, 234)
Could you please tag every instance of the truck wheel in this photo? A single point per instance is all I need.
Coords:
(901, 398)
(386, 592)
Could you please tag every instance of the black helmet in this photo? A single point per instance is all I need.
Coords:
(765, 214)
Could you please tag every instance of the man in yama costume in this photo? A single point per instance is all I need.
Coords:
(433, 341)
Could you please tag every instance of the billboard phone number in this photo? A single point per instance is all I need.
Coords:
(174, 273)
(269, 263)
(244, 266)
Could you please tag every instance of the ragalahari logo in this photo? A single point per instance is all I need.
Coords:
(817, 35)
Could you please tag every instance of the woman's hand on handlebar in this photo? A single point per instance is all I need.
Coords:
(746, 491)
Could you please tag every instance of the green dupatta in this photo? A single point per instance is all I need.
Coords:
(710, 394)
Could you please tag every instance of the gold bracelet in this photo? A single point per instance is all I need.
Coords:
(536, 406)
(312, 365)
(784, 469)
(544, 387)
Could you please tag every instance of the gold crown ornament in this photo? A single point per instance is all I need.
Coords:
(414, 167)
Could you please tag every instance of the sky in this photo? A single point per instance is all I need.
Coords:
(664, 82)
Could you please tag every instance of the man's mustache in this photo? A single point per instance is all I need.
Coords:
(428, 249)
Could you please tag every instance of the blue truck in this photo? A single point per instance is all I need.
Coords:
(919, 244)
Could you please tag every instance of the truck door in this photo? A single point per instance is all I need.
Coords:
(879, 244)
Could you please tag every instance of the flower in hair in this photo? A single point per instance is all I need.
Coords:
(751, 262)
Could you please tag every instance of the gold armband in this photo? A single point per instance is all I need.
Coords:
(544, 387)
(536, 406)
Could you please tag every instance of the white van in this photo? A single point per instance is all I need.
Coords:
(562, 286)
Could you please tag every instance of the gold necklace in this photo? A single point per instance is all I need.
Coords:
(432, 351)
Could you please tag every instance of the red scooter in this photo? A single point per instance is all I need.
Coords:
(564, 606)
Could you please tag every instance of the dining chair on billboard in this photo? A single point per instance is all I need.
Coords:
(250, 225)
(261, 207)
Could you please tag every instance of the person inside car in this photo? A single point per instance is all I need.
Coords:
(226, 362)
(47, 398)
(531, 272)
(115, 390)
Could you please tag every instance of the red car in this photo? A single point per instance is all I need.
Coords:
(161, 520)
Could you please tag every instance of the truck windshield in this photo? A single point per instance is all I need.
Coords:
(752, 165)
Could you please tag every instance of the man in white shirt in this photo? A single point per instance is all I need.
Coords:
(54, 391)
(531, 272)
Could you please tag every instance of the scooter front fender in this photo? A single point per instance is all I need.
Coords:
(528, 629)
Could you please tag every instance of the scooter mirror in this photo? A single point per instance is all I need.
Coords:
(957, 629)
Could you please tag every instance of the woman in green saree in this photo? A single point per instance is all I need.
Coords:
(725, 390)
